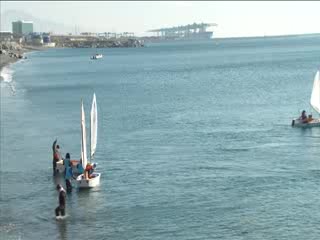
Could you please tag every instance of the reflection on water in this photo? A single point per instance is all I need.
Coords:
(62, 226)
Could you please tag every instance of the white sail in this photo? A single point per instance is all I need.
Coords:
(83, 138)
(94, 126)
(315, 95)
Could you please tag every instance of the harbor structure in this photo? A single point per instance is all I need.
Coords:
(109, 35)
(22, 27)
(185, 32)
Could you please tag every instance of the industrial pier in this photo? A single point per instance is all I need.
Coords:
(187, 32)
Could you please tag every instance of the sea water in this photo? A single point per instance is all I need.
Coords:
(194, 141)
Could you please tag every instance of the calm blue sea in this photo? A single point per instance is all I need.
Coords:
(194, 141)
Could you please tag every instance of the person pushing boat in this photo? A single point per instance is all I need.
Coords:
(68, 172)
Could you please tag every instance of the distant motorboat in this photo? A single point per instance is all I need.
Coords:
(97, 56)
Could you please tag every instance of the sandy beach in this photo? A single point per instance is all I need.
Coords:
(6, 59)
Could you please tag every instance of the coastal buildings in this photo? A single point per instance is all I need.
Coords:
(39, 39)
(34, 38)
(24, 34)
(6, 36)
(22, 27)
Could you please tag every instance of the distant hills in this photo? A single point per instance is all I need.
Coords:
(39, 25)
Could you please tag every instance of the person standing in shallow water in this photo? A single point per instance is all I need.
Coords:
(68, 172)
(61, 209)
(56, 155)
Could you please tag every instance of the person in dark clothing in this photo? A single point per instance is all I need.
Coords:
(303, 117)
(62, 201)
(56, 155)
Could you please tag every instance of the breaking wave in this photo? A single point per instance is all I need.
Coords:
(6, 77)
(6, 74)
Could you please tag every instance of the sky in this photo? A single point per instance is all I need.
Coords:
(234, 18)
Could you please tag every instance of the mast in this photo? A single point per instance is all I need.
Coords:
(91, 158)
(93, 127)
(83, 138)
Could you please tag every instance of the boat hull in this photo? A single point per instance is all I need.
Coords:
(97, 56)
(299, 124)
(88, 183)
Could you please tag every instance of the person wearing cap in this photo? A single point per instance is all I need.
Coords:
(56, 155)
(62, 201)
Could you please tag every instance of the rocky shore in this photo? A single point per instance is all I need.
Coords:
(11, 53)
(69, 42)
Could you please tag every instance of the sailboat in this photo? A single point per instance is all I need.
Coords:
(315, 104)
(83, 180)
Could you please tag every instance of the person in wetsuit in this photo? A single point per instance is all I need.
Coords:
(62, 201)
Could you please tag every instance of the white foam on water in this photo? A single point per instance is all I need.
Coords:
(6, 74)
(61, 217)
(7, 227)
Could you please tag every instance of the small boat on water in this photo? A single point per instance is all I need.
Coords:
(96, 56)
(315, 104)
(87, 180)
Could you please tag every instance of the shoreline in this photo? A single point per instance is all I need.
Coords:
(7, 60)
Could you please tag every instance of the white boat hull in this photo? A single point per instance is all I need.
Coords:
(298, 123)
(98, 56)
(88, 183)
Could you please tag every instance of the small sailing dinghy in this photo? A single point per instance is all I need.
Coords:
(85, 180)
(315, 103)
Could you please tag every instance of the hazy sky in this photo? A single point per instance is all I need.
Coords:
(233, 18)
